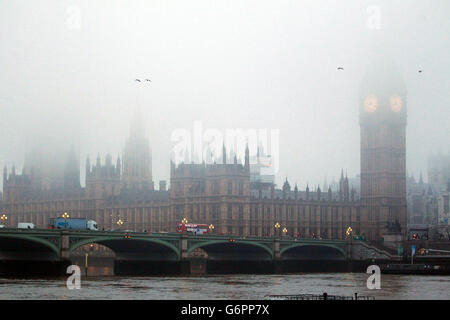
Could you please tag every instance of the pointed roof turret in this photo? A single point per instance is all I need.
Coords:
(118, 166)
(286, 186)
(247, 156)
(224, 154)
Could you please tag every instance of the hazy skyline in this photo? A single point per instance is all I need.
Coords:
(68, 69)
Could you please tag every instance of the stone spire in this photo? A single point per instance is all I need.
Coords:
(88, 166)
(307, 191)
(137, 158)
(296, 191)
(224, 154)
(118, 166)
(247, 157)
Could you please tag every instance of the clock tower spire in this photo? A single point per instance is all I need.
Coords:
(383, 152)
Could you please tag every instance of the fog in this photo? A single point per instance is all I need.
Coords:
(67, 71)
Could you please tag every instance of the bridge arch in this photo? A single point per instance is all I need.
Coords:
(313, 250)
(118, 243)
(256, 248)
(30, 243)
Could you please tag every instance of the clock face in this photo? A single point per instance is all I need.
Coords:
(396, 103)
(370, 103)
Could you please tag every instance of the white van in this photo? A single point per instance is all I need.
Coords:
(2, 226)
(26, 225)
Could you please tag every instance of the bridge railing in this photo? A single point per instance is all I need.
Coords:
(169, 235)
(34, 230)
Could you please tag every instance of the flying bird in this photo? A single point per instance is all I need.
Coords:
(420, 71)
(340, 68)
(137, 80)
(148, 80)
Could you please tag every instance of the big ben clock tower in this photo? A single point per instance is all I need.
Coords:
(383, 153)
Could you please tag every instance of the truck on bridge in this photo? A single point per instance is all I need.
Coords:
(73, 223)
(26, 225)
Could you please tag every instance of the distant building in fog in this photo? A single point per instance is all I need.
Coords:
(439, 172)
(421, 202)
(237, 198)
(443, 201)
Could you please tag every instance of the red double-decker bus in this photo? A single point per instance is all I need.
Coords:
(193, 228)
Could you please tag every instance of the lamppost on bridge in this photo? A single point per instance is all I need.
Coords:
(284, 231)
(183, 223)
(277, 227)
(120, 223)
(211, 228)
(65, 217)
(91, 248)
(4, 218)
(349, 232)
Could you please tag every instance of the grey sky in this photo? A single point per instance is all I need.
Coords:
(230, 64)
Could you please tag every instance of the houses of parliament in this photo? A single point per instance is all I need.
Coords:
(227, 194)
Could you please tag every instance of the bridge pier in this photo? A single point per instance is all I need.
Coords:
(277, 262)
(64, 251)
(278, 266)
(184, 267)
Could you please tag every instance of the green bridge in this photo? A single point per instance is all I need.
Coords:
(171, 252)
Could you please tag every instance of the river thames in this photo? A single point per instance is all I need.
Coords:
(227, 287)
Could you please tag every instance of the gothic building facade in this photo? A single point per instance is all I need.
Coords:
(224, 194)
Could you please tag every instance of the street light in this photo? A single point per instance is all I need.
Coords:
(3, 218)
(211, 227)
(120, 223)
(284, 231)
(349, 231)
(183, 222)
(65, 217)
(277, 226)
